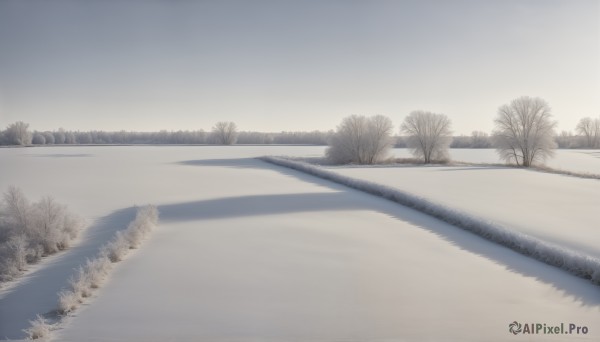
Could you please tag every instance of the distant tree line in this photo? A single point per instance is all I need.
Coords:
(224, 133)
(587, 135)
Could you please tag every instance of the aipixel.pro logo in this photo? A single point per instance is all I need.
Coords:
(516, 328)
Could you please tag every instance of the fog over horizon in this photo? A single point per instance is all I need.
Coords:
(274, 66)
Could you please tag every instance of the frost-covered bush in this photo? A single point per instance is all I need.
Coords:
(80, 283)
(97, 271)
(146, 218)
(67, 301)
(361, 140)
(91, 275)
(576, 263)
(29, 231)
(13, 257)
(40, 329)
(116, 248)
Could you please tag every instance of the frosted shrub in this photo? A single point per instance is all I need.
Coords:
(97, 270)
(40, 329)
(80, 283)
(7, 267)
(134, 234)
(30, 231)
(146, 218)
(18, 248)
(115, 250)
(67, 301)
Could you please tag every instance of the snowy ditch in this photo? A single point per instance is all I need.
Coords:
(576, 263)
(93, 273)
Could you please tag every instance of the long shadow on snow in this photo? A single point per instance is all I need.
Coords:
(240, 163)
(258, 205)
(345, 198)
(37, 292)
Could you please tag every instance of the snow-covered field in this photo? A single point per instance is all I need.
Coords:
(583, 161)
(249, 251)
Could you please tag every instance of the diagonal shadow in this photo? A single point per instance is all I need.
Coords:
(258, 205)
(239, 163)
(36, 293)
(475, 168)
(61, 155)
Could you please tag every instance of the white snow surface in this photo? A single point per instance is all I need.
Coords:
(249, 251)
(555, 208)
(580, 161)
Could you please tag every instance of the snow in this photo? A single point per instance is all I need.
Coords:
(246, 250)
(557, 254)
(555, 208)
(583, 161)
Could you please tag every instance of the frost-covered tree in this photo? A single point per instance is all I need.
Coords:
(428, 135)
(590, 130)
(224, 133)
(361, 140)
(84, 138)
(524, 132)
(49, 137)
(38, 139)
(70, 138)
(18, 134)
(59, 136)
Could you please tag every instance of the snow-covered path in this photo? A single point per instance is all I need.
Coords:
(249, 251)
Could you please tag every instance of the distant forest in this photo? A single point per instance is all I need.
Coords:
(19, 134)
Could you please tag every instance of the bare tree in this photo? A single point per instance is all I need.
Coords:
(524, 131)
(224, 133)
(360, 139)
(590, 129)
(18, 133)
(428, 135)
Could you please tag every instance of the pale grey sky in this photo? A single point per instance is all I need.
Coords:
(292, 65)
